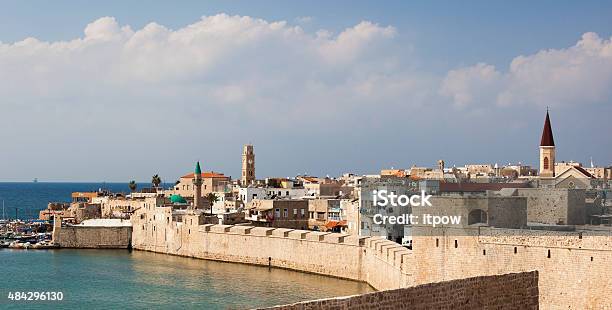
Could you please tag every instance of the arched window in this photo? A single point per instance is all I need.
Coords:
(545, 162)
(477, 216)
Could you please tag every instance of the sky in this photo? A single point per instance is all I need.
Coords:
(117, 91)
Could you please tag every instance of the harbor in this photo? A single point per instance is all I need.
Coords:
(25, 234)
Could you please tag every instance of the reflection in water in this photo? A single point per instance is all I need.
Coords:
(116, 278)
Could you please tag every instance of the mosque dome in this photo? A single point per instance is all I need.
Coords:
(177, 199)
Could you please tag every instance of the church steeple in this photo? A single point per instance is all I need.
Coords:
(547, 135)
(547, 150)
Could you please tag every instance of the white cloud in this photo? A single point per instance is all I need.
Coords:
(580, 74)
(222, 76)
(160, 97)
(218, 59)
(471, 85)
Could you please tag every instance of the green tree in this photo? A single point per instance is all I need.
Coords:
(132, 185)
(212, 198)
(156, 180)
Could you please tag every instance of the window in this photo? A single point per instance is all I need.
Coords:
(294, 211)
(456, 244)
(545, 163)
(287, 193)
(285, 213)
(437, 242)
(303, 212)
(277, 213)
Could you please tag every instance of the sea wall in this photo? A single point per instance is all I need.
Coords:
(381, 263)
(96, 237)
(509, 291)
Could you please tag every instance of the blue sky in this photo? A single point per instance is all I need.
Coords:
(408, 83)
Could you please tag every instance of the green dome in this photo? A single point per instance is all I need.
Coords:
(177, 199)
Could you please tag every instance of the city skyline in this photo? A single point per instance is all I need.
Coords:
(136, 93)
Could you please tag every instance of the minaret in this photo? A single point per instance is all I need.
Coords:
(547, 151)
(197, 186)
(441, 164)
(248, 165)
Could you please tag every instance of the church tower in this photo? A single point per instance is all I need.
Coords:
(547, 151)
(248, 165)
(197, 186)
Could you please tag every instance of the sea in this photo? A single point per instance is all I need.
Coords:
(24, 200)
(124, 279)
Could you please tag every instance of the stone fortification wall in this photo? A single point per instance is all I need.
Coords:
(93, 237)
(381, 263)
(573, 266)
(509, 291)
(555, 206)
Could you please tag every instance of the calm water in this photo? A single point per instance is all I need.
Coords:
(113, 279)
(26, 199)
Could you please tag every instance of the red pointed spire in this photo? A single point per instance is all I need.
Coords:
(547, 135)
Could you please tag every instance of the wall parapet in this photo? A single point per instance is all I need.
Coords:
(577, 240)
(508, 291)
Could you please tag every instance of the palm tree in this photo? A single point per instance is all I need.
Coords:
(212, 198)
(156, 180)
(132, 185)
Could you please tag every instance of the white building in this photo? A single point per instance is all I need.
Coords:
(247, 194)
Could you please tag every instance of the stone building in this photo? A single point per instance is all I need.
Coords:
(248, 194)
(211, 182)
(559, 175)
(556, 206)
(282, 213)
(324, 214)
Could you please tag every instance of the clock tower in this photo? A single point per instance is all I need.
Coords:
(248, 165)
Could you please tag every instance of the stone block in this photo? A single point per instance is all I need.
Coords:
(298, 234)
(281, 232)
(316, 236)
(262, 231)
